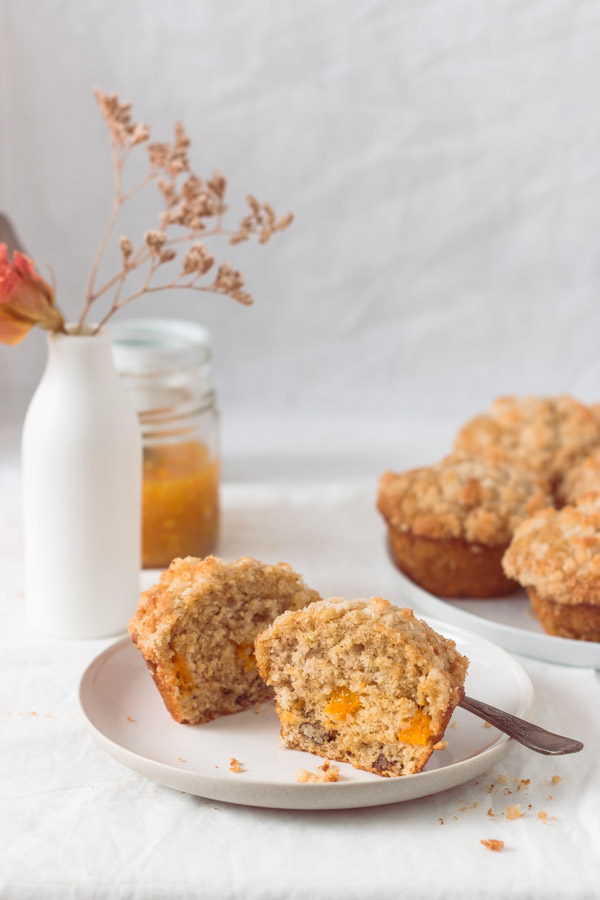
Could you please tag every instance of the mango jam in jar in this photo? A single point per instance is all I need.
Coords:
(167, 366)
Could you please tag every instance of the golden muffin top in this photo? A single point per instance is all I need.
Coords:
(557, 552)
(582, 478)
(545, 434)
(462, 497)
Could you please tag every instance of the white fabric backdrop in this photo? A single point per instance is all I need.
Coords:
(442, 160)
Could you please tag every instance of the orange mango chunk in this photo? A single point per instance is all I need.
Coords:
(418, 731)
(183, 676)
(245, 653)
(342, 703)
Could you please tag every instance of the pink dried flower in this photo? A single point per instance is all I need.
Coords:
(25, 299)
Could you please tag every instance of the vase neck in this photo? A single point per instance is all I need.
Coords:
(81, 354)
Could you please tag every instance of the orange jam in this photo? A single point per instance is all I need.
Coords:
(183, 676)
(180, 502)
(342, 703)
(245, 653)
(418, 731)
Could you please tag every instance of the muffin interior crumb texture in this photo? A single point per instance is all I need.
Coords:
(196, 630)
(362, 681)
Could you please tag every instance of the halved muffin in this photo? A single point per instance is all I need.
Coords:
(362, 681)
(196, 630)
(556, 556)
(449, 524)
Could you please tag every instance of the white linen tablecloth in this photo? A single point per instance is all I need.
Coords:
(77, 824)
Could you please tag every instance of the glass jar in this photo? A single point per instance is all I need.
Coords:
(167, 367)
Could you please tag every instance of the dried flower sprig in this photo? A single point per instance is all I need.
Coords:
(192, 211)
(190, 202)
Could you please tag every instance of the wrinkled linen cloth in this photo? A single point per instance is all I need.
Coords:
(78, 824)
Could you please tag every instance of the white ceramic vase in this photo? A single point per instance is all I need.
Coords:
(82, 472)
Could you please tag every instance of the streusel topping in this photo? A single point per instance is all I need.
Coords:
(583, 478)
(546, 434)
(557, 552)
(462, 497)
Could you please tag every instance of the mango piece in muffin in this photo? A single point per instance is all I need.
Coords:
(361, 681)
(196, 630)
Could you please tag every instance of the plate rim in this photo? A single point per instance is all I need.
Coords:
(569, 651)
(291, 795)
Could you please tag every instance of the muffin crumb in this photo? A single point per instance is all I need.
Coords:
(493, 844)
(324, 774)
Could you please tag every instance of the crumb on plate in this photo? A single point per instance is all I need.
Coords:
(323, 775)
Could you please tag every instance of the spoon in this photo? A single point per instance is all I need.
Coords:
(531, 736)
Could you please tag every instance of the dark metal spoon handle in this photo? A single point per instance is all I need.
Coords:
(531, 736)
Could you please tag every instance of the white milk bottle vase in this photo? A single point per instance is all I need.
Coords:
(82, 472)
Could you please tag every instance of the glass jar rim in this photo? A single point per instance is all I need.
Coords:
(157, 345)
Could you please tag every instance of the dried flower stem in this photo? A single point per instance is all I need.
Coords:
(188, 203)
(142, 255)
(118, 163)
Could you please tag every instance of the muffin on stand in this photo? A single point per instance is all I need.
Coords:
(545, 434)
(449, 524)
(556, 556)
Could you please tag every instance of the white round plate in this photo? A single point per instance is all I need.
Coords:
(127, 717)
(509, 621)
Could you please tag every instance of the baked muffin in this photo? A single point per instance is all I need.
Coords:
(583, 478)
(362, 681)
(196, 630)
(556, 556)
(449, 524)
(545, 434)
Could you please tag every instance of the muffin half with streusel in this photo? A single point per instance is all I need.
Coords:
(545, 434)
(449, 524)
(362, 681)
(556, 556)
(196, 630)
